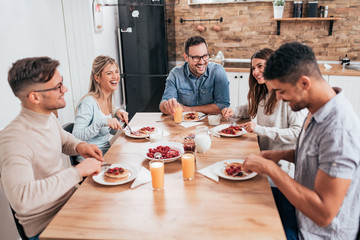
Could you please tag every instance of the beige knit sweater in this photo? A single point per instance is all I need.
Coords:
(33, 174)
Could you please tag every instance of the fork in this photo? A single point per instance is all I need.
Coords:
(232, 121)
(164, 119)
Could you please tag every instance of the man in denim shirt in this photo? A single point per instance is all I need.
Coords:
(197, 85)
(325, 190)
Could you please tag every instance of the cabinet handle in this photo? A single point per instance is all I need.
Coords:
(235, 76)
(241, 76)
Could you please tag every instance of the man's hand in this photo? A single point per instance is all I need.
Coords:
(249, 126)
(124, 116)
(114, 123)
(89, 166)
(169, 106)
(89, 150)
(227, 112)
(256, 163)
(187, 108)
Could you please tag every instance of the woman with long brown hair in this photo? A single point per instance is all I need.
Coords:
(276, 125)
(96, 116)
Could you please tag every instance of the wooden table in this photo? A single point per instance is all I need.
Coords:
(197, 209)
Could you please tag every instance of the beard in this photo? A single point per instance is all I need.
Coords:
(195, 71)
(297, 106)
(55, 106)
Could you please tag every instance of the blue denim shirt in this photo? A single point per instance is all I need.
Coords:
(331, 143)
(187, 89)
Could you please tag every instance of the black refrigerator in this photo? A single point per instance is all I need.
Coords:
(143, 53)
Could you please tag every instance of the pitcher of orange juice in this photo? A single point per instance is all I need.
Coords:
(178, 114)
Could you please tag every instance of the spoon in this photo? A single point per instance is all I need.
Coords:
(157, 155)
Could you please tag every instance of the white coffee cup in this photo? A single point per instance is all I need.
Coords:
(214, 119)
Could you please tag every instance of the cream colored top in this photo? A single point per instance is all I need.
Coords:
(33, 175)
(278, 131)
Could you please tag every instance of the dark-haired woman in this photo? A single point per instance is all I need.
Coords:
(275, 124)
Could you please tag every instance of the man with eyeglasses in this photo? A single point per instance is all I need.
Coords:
(34, 177)
(198, 85)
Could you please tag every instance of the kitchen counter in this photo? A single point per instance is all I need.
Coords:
(335, 70)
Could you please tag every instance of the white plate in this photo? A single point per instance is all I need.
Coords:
(218, 129)
(201, 116)
(174, 145)
(135, 128)
(100, 177)
(219, 169)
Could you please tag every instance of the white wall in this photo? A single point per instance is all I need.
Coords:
(27, 31)
(60, 29)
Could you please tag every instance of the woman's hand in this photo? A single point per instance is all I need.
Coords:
(227, 112)
(114, 123)
(124, 116)
(249, 126)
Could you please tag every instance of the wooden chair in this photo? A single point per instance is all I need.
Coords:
(69, 128)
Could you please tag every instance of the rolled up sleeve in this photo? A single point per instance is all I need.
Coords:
(221, 91)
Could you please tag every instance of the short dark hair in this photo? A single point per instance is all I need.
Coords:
(193, 41)
(28, 71)
(290, 62)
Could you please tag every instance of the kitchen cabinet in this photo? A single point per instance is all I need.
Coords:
(350, 85)
(239, 88)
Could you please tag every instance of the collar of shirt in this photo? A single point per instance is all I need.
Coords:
(191, 75)
(320, 115)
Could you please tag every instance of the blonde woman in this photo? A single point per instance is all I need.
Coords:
(95, 113)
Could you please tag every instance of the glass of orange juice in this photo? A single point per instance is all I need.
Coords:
(188, 166)
(157, 174)
(178, 114)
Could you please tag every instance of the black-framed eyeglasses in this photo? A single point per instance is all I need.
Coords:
(205, 57)
(60, 86)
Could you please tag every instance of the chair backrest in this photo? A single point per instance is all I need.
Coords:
(19, 227)
(69, 128)
(358, 234)
(8, 227)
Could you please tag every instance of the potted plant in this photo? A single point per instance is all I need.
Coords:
(278, 8)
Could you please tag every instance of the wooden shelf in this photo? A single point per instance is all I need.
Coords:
(330, 19)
